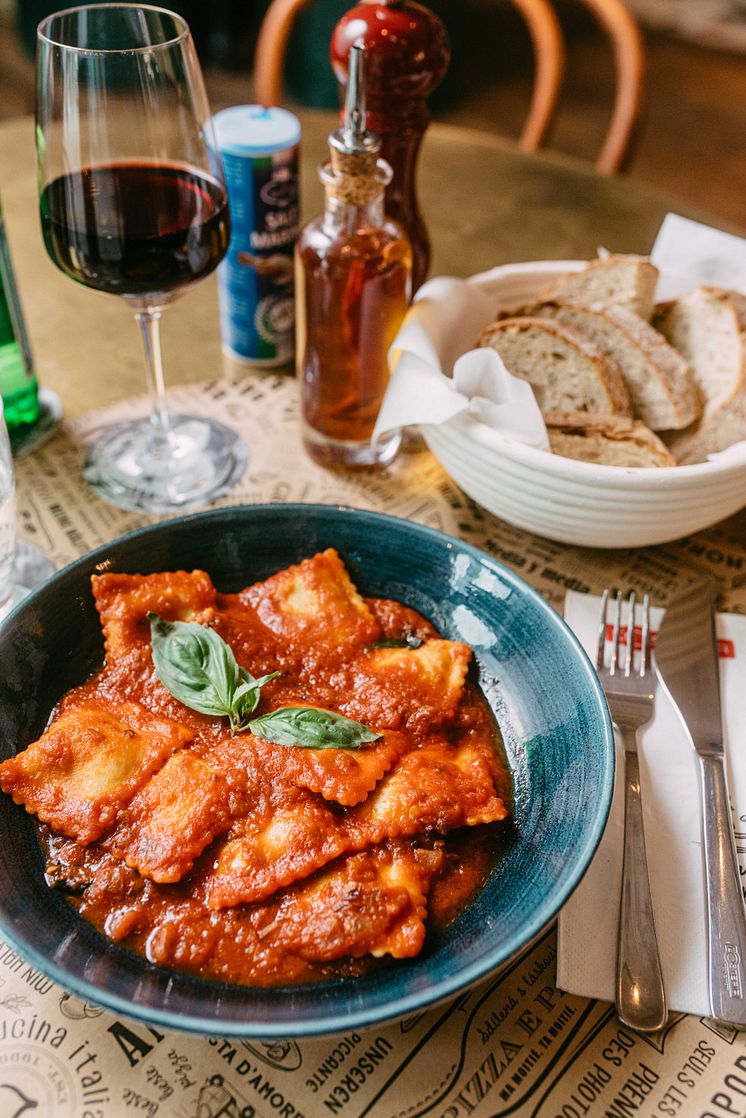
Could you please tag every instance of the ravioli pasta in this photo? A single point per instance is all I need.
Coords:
(90, 763)
(245, 860)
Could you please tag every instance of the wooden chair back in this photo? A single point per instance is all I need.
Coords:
(549, 63)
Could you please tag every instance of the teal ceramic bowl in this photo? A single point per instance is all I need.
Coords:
(542, 688)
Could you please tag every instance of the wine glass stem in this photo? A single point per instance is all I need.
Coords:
(150, 325)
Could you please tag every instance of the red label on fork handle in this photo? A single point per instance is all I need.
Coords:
(637, 635)
(726, 647)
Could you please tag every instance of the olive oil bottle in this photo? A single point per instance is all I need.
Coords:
(353, 284)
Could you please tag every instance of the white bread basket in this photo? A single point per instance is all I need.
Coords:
(568, 500)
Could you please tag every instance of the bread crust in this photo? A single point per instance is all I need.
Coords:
(721, 429)
(606, 439)
(614, 280)
(611, 391)
(661, 385)
(674, 320)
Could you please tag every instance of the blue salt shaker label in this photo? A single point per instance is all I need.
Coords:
(259, 151)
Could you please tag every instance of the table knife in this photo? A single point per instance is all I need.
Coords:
(686, 654)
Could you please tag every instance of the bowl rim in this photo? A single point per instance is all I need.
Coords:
(572, 469)
(402, 1005)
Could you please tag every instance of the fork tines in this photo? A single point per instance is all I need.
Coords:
(619, 633)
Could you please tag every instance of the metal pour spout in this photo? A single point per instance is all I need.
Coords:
(353, 138)
(354, 112)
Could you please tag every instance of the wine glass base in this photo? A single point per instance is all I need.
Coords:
(140, 466)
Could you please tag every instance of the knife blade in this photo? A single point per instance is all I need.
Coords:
(686, 656)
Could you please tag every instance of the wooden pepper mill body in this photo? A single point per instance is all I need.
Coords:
(407, 53)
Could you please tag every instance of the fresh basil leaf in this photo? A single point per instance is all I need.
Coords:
(246, 697)
(311, 728)
(196, 665)
(410, 641)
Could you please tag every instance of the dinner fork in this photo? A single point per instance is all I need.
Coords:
(640, 996)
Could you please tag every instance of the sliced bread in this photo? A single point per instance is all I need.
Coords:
(609, 440)
(565, 369)
(722, 427)
(708, 327)
(609, 281)
(661, 385)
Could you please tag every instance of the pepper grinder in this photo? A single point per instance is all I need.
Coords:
(353, 284)
(407, 55)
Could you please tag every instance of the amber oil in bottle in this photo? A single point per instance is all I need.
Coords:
(353, 284)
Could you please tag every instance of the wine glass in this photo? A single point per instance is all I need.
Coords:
(133, 203)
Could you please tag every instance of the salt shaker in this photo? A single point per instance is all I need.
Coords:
(353, 284)
(407, 55)
(259, 152)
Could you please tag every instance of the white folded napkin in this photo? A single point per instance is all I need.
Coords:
(433, 379)
(687, 254)
(672, 820)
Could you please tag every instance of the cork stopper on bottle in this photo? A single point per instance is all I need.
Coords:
(355, 174)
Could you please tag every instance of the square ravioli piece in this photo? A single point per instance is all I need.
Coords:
(435, 788)
(313, 608)
(346, 776)
(273, 846)
(413, 687)
(172, 819)
(89, 764)
(124, 601)
(374, 903)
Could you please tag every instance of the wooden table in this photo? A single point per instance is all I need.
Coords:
(485, 202)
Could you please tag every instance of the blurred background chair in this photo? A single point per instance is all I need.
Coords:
(695, 108)
(549, 62)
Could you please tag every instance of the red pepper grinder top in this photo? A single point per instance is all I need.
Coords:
(407, 53)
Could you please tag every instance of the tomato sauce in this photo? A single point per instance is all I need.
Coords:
(256, 943)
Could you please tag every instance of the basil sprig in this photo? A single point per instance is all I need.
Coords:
(195, 664)
(311, 728)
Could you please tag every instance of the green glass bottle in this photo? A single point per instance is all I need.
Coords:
(18, 385)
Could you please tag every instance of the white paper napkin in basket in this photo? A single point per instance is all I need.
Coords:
(434, 379)
(687, 253)
(672, 819)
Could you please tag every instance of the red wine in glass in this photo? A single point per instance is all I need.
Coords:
(135, 229)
